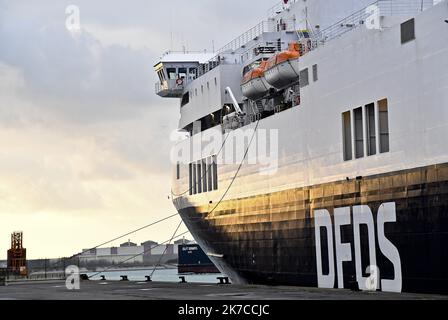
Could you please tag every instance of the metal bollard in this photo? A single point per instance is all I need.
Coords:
(223, 280)
(84, 277)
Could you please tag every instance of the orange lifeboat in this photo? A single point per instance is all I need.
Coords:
(282, 69)
(254, 85)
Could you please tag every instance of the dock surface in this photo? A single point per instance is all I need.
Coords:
(128, 290)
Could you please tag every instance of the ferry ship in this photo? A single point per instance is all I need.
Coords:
(339, 110)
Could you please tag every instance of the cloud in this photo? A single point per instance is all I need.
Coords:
(84, 140)
(77, 78)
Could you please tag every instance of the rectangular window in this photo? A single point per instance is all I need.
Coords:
(194, 178)
(371, 132)
(408, 31)
(199, 173)
(183, 73)
(216, 81)
(215, 173)
(202, 89)
(210, 173)
(347, 135)
(185, 99)
(172, 74)
(160, 75)
(208, 85)
(190, 178)
(192, 73)
(204, 175)
(384, 125)
(315, 76)
(196, 92)
(178, 171)
(304, 81)
(359, 133)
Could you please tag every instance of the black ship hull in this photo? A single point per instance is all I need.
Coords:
(397, 222)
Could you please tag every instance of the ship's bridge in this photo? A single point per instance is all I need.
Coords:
(176, 70)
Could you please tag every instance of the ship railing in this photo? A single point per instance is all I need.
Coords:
(252, 33)
(246, 38)
(270, 25)
(209, 65)
(263, 48)
(171, 84)
(359, 18)
(232, 46)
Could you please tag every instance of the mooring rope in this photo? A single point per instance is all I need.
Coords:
(166, 247)
(114, 239)
(168, 217)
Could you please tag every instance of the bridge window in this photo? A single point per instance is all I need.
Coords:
(172, 74)
(192, 73)
(182, 73)
(161, 75)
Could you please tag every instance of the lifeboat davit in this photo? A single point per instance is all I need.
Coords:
(282, 69)
(254, 85)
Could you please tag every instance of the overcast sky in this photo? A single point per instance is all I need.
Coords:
(84, 141)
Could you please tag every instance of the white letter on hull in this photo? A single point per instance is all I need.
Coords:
(343, 250)
(387, 213)
(363, 215)
(322, 219)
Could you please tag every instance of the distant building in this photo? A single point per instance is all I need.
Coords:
(150, 243)
(183, 241)
(129, 253)
(128, 244)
